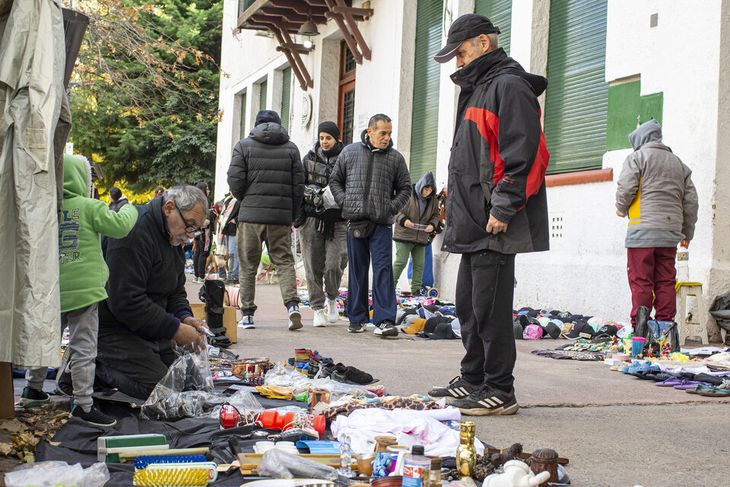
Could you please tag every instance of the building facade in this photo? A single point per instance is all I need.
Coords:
(609, 64)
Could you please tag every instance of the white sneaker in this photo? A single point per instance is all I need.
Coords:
(246, 323)
(333, 315)
(320, 318)
(295, 318)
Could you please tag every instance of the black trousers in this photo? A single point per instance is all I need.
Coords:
(199, 260)
(131, 363)
(484, 294)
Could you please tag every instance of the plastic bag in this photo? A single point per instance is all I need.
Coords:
(187, 391)
(51, 474)
(288, 377)
(241, 400)
(278, 464)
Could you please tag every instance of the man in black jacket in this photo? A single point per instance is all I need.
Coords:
(371, 184)
(266, 176)
(496, 207)
(147, 308)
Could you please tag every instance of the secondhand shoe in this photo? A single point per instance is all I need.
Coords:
(333, 315)
(320, 318)
(386, 329)
(295, 318)
(487, 401)
(356, 328)
(246, 323)
(93, 416)
(458, 388)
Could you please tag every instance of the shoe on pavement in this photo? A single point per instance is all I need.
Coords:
(32, 398)
(246, 323)
(386, 329)
(356, 328)
(487, 402)
(458, 388)
(333, 315)
(94, 416)
(320, 318)
(295, 318)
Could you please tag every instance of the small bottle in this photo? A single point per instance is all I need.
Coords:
(434, 475)
(466, 454)
(416, 467)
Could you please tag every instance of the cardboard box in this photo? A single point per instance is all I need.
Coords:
(230, 321)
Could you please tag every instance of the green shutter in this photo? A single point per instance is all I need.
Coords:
(577, 95)
(500, 13)
(424, 117)
(262, 95)
(242, 122)
(285, 97)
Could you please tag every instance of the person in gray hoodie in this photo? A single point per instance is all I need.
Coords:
(655, 191)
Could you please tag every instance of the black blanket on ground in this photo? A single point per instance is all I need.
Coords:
(76, 442)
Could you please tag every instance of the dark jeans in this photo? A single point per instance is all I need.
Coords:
(199, 260)
(484, 294)
(651, 277)
(132, 364)
(379, 246)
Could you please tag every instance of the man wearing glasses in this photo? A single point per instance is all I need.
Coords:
(147, 309)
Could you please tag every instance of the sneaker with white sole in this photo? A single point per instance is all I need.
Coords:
(333, 315)
(246, 323)
(487, 401)
(320, 318)
(33, 398)
(93, 416)
(295, 318)
(386, 329)
(355, 328)
(458, 388)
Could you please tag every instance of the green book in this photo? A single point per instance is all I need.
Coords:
(106, 442)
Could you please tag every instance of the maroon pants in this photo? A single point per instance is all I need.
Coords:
(652, 277)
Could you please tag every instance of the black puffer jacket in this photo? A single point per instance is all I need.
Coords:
(318, 167)
(370, 184)
(498, 159)
(266, 176)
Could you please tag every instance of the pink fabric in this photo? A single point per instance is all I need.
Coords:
(532, 332)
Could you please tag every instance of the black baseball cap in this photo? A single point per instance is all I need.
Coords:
(463, 28)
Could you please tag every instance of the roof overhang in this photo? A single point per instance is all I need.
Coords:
(285, 17)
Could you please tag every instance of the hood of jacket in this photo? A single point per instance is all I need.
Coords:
(647, 132)
(426, 180)
(365, 140)
(269, 133)
(485, 68)
(76, 177)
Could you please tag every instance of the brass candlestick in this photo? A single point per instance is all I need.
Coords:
(466, 454)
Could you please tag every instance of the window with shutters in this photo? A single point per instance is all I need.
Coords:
(242, 118)
(346, 105)
(500, 13)
(263, 87)
(426, 72)
(286, 97)
(576, 106)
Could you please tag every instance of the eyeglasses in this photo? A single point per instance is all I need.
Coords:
(190, 230)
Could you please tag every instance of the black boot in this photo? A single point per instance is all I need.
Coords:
(211, 293)
(641, 329)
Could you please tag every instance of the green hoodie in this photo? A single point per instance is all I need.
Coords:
(83, 270)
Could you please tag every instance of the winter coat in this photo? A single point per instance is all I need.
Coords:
(116, 205)
(318, 168)
(83, 219)
(413, 212)
(146, 280)
(370, 184)
(655, 188)
(266, 176)
(498, 159)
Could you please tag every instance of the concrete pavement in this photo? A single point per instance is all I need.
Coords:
(615, 429)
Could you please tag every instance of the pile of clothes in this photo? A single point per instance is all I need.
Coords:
(428, 318)
(535, 324)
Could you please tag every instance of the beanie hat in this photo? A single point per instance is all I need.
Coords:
(329, 128)
(265, 116)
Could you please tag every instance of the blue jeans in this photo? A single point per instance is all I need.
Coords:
(232, 257)
(379, 246)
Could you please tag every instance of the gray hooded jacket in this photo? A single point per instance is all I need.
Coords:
(655, 189)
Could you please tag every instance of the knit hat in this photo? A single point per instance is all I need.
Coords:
(329, 128)
(265, 116)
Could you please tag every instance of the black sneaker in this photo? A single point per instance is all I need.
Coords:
(94, 416)
(32, 398)
(356, 328)
(386, 329)
(487, 402)
(458, 388)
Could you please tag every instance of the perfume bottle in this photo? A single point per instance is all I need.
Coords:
(466, 454)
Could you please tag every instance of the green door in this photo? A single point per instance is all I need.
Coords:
(285, 97)
(576, 106)
(263, 86)
(242, 121)
(500, 13)
(424, 117)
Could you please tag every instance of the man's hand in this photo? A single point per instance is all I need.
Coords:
(620, 213)
(429, 229)
(684, 244)
(408, 224)
(495, 226)
(188, 336)
(199, 325)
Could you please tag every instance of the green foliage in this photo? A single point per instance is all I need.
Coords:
(144, 94)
